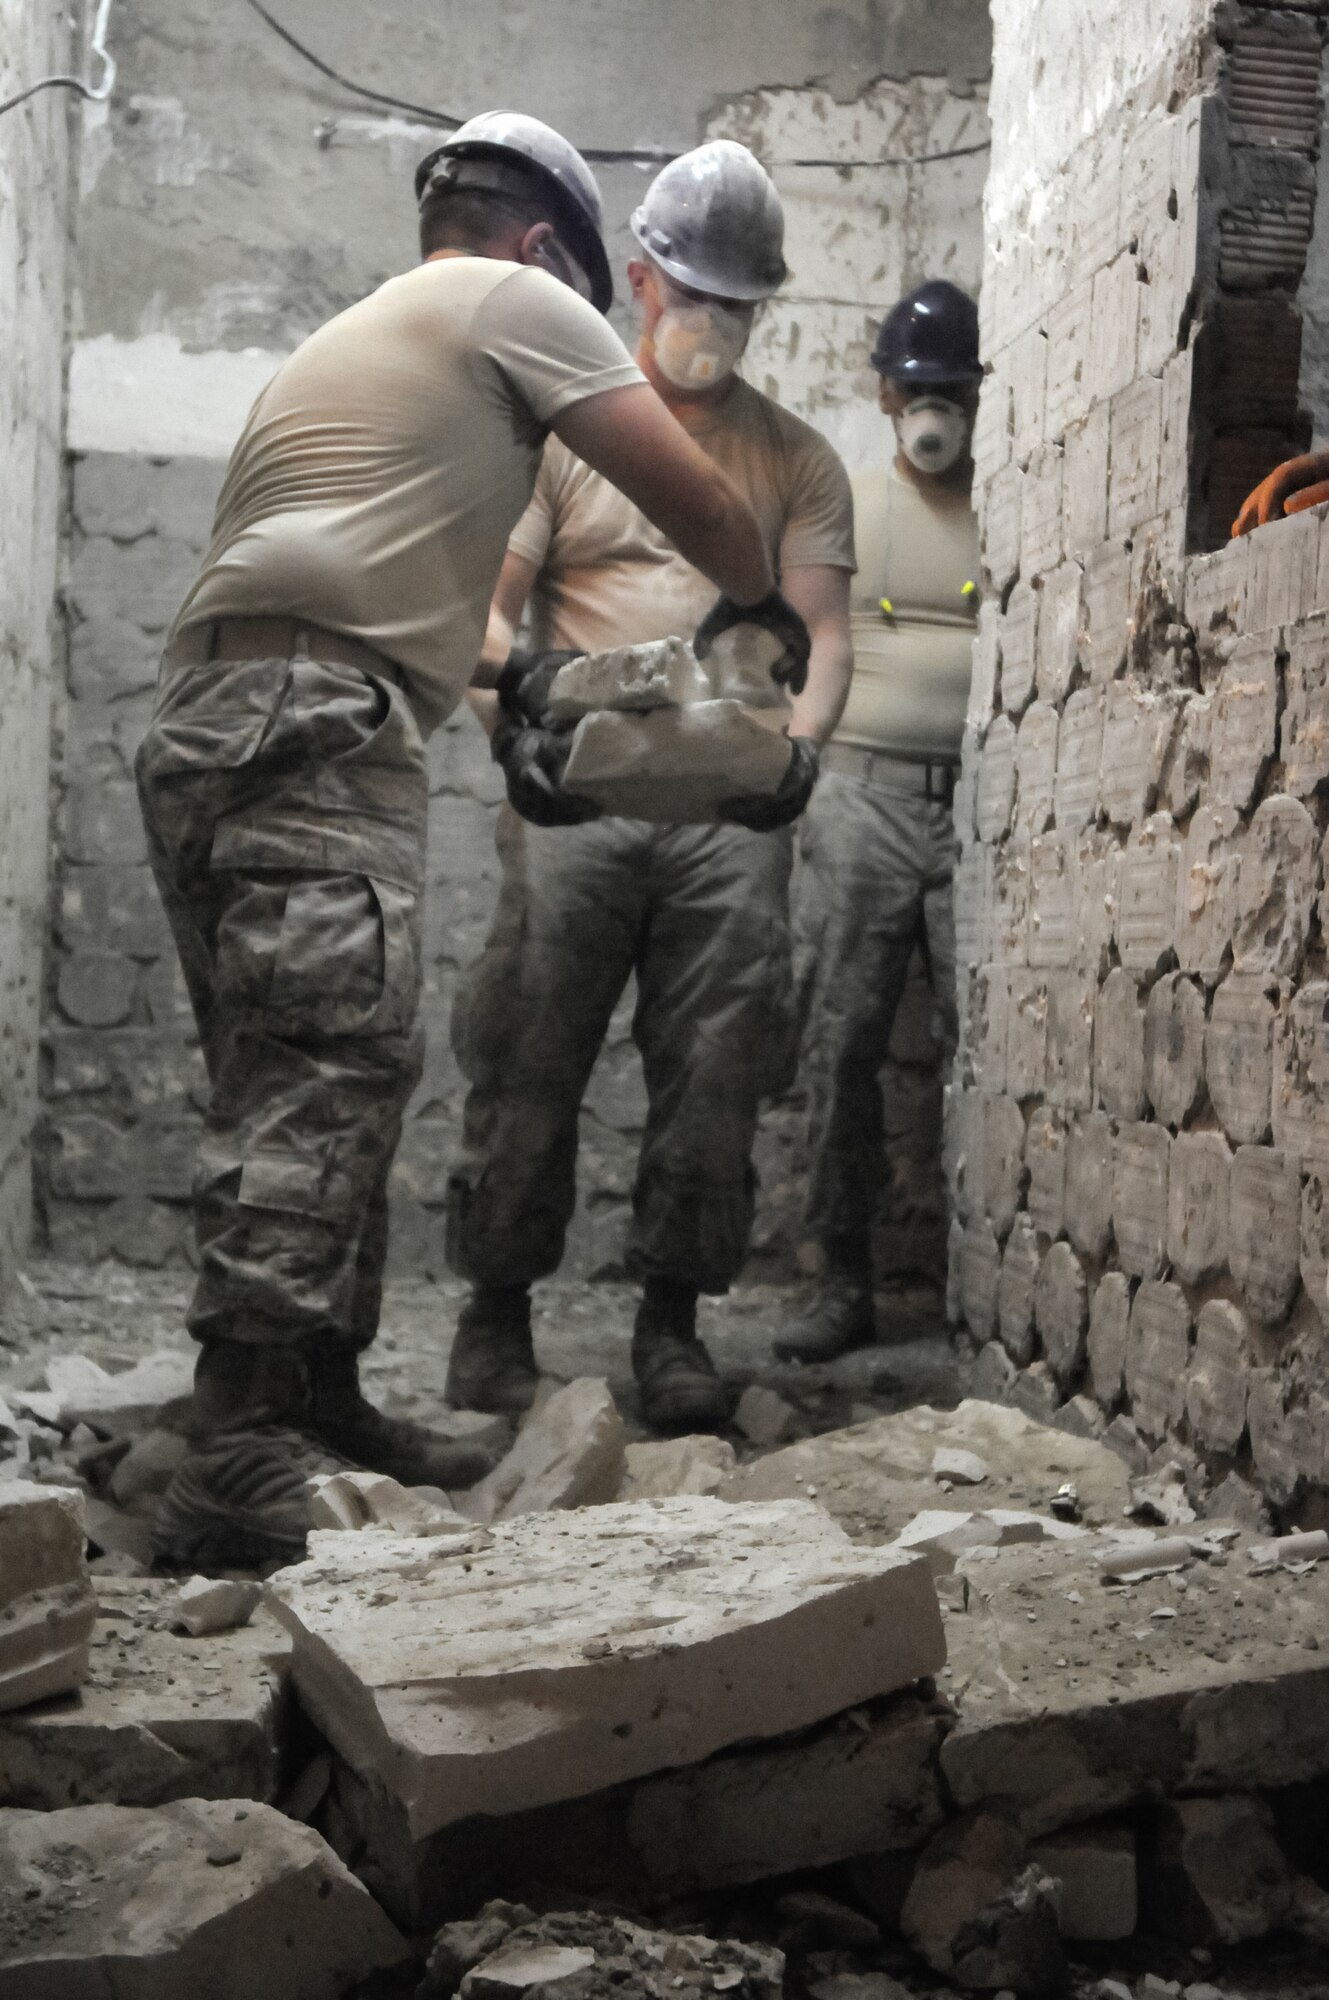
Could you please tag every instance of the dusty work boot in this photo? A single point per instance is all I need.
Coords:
(841, 1317)
(492, 1365)
(341, 1416)
(680, 1390)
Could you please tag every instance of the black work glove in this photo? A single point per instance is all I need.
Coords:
(763, 813)
(523, 685)
(533, 760)
(775, 614)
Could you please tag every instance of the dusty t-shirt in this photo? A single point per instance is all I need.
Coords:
(912, 663)
(608, 577)
(381, 471)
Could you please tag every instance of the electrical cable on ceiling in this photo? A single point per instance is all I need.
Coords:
(95, 93)
(598, 155)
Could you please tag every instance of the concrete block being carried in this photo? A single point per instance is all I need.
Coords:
(47, 1609)
(677, 765)
(665, 673)
(570, 1651)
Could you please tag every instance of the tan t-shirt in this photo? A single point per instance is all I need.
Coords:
(381, 471)
(911, 664)
(608, 577)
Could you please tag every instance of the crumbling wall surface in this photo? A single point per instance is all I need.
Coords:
(231, 200)
(1138, 1132)
(34, 41)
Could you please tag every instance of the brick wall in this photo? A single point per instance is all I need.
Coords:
(1138, 1132)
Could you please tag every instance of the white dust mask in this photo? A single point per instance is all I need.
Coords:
(932, 432)
(698, 343)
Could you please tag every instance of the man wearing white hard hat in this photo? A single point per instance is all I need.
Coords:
(338, 617)
(698, 913)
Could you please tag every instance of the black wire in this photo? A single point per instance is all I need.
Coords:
(598, 155)
(47, 83)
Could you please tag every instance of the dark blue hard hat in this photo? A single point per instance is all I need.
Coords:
(931, 335)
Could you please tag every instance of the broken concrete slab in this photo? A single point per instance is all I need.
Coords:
(662, 1468)
(207, 1604)
(943, 1537)
(592, 1956)
(160, 1715)
(570, 1453)
(115, 1405)
(199, 1896)
(1099, 1891)
(677, 765)
(47, 1609)
(575, 1650)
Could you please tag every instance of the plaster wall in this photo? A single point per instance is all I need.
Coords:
(231, 200)
(34, 42)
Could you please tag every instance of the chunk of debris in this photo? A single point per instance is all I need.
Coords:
(979, 1912)
(114, 1405)
(1160, 1497)
(507, 1950)
(207, 1604)
(200, 1896)
(1095, 1866)
(962, 1468)
(763, 1415)
(944, 1536)
(1290, 1551)
(1132, 1559)
(662, 673)
(571, 1453)
(583, 1648)
(47, 1607)
(677, 765)
(1217, 1874)
(352, 1500)
(663, 1468)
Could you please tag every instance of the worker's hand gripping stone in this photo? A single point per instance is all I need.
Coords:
(1290, 488)
(776, 615)
(782, 807)
(533, 754)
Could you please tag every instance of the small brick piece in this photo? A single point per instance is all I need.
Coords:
(1238, 1058)
(1199, 1172)
(1278, 879)
(1147, 898)
(1315, 1241)
(1109, 1332)
(1003, 1160)
(1139, 1198)
(972, 894)
(1174, 1027)
(989, 1009)
(1284, 557)
(1026, 1035)
(1079, 754)
(1187, 768)
(1061, 1311)
(1303, 736)
(1207, 891)
(1010, 902)
(1220, 1371)
(1019, 632)
(1300, 1104)
(1107, 608)
(1035, 767)
(1070, 1040)
(1264, 1231)
(1157, 1353)
(980, 1269)
(1045, 1159)
(1137, 437)
(1244, 730)
(996, 780)
(1051, 900)
(1015, 1292)
(1119, 1046)
(1058, 633)
(1090, 1157)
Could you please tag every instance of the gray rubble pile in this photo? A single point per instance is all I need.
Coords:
(506, 1950)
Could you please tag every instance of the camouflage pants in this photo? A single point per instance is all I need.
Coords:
(285, 805)
(700, 914)
(875, 881)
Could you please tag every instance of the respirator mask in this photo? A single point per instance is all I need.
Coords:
(699, 342)
(933, 432)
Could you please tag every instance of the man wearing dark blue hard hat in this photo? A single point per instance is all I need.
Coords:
(878, 839)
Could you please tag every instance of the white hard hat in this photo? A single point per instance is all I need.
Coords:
(712, 220)
(479, 151)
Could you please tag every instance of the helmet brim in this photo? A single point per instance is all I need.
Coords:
(710, 282)
(926, 371)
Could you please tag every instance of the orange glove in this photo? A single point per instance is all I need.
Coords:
(1295, 484)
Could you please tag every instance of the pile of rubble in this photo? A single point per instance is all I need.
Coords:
(912, 1701)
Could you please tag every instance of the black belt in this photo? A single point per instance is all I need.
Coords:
(931, 778)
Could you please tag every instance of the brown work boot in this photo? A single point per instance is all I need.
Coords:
(843, 1314)
(680, 1390)
(341, 1416)
(492, 1365)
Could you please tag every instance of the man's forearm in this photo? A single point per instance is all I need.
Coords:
(821, 704)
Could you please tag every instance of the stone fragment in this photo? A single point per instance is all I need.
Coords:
(1140, 1198)
(1217, 1874)
(1079, 754)
(1300, 1105)
(676, 765)
(508, 1950)
(1035, 767)
(1070, 1040)
(207, 1604)
(1243, 732)
(1015, 1292)
(1137, 728)
(582, 1648)
(47, 1609)
(980, 1271)
(1157, 1354)
(979, 1914)
(996, 781)
(569, 1454)
(1264, 1210)
(195, 1897)
(944, 1536)
(1096, 1868)
(1026, 1035)
(1147, 895)
(1278, 878)
(1061, 1312)
(1199, 1170)
(661, 1468)
(1238, 1058)
(1089, 1175)
(960, 1467)
(523, 1968)
(763, 1415)
(663, 673)
(117, 1405)
(1206, 891)
(1303, 739)
(1289, 1430)
(1174, 1026)
(1045, 1158)
(1216, 595)
(353, 1500)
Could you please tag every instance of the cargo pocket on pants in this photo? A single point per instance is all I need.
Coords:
(347, 961)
